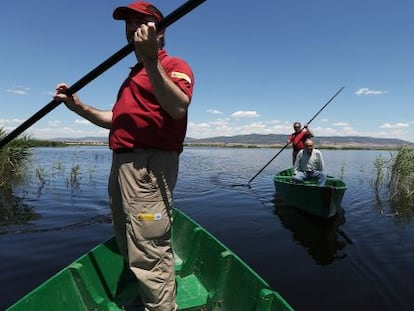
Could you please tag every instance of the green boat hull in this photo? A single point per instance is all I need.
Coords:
(209, 277)
(309, 197)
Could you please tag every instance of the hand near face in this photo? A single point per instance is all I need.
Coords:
(146, 41)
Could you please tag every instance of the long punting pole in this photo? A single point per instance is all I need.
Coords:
(284, 147)
(94, 73)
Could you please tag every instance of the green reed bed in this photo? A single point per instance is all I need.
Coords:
(15, 159)
(397, 176)
(402, 176)
(15, 168)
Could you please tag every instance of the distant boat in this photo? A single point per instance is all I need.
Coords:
(309, 197)
(209, 276)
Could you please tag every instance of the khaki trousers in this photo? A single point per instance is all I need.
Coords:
(140, 191)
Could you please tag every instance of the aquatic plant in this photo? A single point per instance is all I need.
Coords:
(15, 159)
(401, 184)
(58, 168)
(75, 176)
(396, 175)
(41, 175)
(342, 173)
(381, 166)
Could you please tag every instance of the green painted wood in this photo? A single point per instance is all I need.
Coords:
(209, 277)
(309, 197)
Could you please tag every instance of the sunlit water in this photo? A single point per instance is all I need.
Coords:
(363, 259)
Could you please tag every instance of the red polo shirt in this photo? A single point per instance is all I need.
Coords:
(138, 120)
(298, 140)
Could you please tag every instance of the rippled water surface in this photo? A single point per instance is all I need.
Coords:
(363, 259)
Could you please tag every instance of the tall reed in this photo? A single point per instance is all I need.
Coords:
(401, 184)
(14, 159)
(396, 176)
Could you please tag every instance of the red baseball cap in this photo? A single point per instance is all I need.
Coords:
(139, 7)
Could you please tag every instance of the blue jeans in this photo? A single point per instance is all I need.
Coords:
(301, 176)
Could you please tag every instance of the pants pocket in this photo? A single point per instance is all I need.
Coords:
(149, 221)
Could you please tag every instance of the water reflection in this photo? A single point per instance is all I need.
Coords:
(46, 199)
(323, 239)
(14, 211)
(401, 210)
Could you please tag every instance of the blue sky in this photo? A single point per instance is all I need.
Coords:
(259, 65)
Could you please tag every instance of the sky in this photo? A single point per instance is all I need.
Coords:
(258, 65)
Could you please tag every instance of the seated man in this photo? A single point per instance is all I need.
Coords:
(309, 165)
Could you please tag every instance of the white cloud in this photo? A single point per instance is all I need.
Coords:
(276, 122)
(209, 129)
(204, 126)
(245, 114)
(68, 132)
(367, 91)
(214, 111)
(340, 124)
(82, 122)
(4, 122)
(19, 90)
(224, 127)
(220, 122)
(255, 127)
(231, 127)
(55, 123)
(395, 125)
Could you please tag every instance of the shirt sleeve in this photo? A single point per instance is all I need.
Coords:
(181, 74)
(297, 161)
(321, 163)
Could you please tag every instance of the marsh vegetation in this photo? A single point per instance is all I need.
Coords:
(395, 177)
(15, 159)
(16, 168)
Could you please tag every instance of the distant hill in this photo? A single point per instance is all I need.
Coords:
(83, 140)
(270, 140)
(260, 140)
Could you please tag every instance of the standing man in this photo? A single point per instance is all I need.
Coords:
(309, 165)
(147, 128)
(298, 137)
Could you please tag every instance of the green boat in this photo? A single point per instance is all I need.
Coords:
(209, 276)
(309, 197)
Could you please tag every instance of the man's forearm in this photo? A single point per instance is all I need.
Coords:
(170, 97)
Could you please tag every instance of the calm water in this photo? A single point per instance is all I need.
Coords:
(361, 260)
